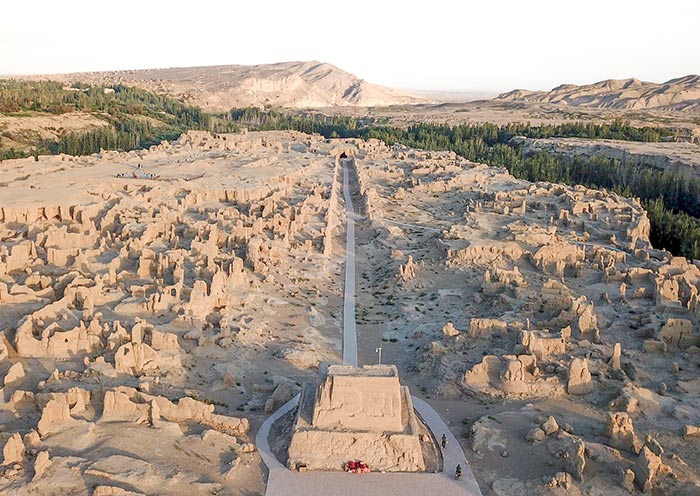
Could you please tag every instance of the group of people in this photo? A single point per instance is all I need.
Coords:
(138, 174)
(360, 467)
(458, 470)
(357, 467)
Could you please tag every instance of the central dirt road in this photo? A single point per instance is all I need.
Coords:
(284, 482)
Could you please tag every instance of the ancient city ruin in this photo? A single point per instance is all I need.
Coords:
(171, 314)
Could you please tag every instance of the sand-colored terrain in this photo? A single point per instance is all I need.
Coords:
(156, 305)
(220, 88)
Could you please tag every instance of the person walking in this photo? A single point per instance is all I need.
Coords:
(444, 441)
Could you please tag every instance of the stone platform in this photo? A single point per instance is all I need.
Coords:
(356, 413)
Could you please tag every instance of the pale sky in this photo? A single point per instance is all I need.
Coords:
(437, 44)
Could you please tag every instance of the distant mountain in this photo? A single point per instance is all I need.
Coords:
(287, 84)
(681, 94)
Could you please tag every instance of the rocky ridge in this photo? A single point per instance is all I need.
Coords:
(310, 84)
(680, 94)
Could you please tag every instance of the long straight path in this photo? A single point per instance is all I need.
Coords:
(284, 482)
(349, 323)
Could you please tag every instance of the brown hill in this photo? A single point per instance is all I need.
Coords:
(286, 84)
(680, 94)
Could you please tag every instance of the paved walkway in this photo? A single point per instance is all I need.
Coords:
(349, 325)
(284, 482)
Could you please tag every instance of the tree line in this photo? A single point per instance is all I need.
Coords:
(351, 127)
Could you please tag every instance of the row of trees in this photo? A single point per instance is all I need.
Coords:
(677, 232)
(12, 152)
(439, 134)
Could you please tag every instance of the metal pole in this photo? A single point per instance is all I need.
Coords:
(379, 350)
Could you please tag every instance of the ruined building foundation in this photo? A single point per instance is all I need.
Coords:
(356, 413)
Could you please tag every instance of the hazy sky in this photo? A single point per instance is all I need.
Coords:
(436, 44)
